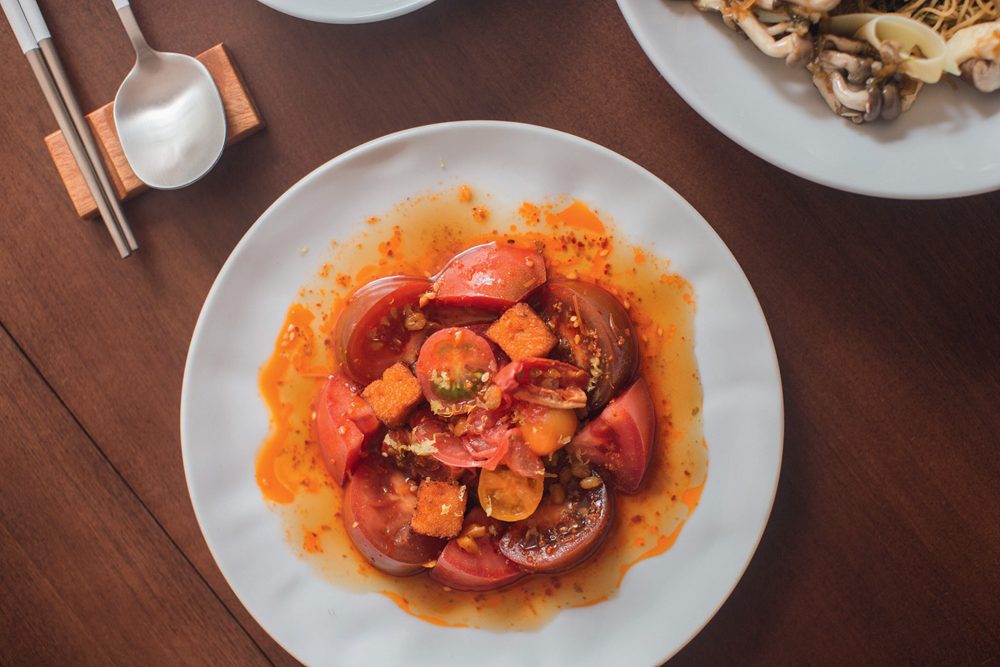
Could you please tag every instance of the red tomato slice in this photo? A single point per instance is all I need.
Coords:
(372, 331)
(620, 439)
(558, 536)
(449, 448)
(545, 382)
(379, 503)
(454, 364)
(520, 458)
(483, 568)
(345, 423)
(594, 333)
(489, 448)
(490, 276)
(398, 445)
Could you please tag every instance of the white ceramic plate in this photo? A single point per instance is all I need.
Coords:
(663, 601)
(947, 145)
(346, 11)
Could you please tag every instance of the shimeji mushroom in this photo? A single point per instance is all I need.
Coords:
(786, 37)
(859, 82)
(974, 53)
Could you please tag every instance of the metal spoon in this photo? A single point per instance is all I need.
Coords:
(169, 114)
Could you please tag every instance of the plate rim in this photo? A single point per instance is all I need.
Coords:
(350, 19)
(646, 42)
(319, 172)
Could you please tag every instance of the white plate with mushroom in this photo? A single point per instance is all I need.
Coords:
(946, 145)
(346, 11)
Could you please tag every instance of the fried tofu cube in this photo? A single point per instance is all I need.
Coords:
(521, 333)
(440, 509)
(394, 395)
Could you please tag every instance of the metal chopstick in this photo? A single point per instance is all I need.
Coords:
(29, 45)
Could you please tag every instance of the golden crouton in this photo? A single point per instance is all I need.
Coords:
(440, 509)
(521, 333)
(394, 395)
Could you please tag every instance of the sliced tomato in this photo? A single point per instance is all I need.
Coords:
(560, 535)
(620, 439)
(453, 366)
(545, 430)
(410, 457)
(448, 447)
(490, 448)
(594, 334)
(345, 423)
(520, 458)
(486, 434)
(475, 568)
(542, 381)
(491, 276)
(507, 496)
(380, 325)
(379, 502)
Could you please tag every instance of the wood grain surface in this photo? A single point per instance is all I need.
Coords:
(884, 542)
(242, 120)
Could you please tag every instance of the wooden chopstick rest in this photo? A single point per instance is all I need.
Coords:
(242, 120)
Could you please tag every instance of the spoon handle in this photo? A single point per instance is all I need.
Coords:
(142, 48)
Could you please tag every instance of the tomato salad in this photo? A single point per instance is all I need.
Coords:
(481, 421)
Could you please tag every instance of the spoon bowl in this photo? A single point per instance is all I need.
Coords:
(168, 113)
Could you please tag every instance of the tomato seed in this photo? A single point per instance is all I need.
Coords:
(475, 531)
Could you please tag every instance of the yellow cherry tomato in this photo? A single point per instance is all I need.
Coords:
(507, 496)
(546, 429)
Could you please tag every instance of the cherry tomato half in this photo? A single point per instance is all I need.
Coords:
(479, 566)
(380, 325)
(379, 502)
(560, 535)
(508, 496)
(542, 381)
(594, 334)
(345, 423)
(454, 364)
(448, 448)
(545, 429)
(491, 276)
(620, 439)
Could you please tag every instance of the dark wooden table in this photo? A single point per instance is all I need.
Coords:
(884, 544)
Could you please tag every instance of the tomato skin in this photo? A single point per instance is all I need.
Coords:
(485, 570)
(451, 367)
(345, 424)
(620, 439)
(560, 536)
(490, 276)
(378, 507)
(376, 309)
(606, 335)
(542, 381)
